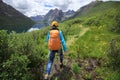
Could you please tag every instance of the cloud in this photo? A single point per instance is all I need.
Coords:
(62, 4)
(28, 7)
(76, 4)
(41, 7)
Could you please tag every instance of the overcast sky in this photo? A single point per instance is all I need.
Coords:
(41, 7)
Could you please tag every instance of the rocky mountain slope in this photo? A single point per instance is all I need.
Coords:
(53, 14)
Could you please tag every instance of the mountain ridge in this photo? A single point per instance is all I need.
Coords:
(53, 14)
(89, 6)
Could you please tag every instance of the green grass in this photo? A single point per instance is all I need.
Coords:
(76, 69)
(94, 43)
(108, 74)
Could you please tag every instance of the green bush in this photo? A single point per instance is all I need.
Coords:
(22, 56)
(3, 45)
(117, 23)
(114, 54)
(15, 68)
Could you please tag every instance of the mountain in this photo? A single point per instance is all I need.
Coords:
(53, 14)
(37, 18)
(58, 15)
(13, 20)
(69, 13)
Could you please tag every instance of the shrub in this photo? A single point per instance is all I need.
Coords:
(117, 23)
(15, 68)
(32, 45)
(3, 45)
(114, 54)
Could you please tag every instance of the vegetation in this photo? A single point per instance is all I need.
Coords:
(21, 55)
(93, 49)
(101, 13)
(12, 24)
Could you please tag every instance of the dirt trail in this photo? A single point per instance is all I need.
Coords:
(87, 66)
(66, 73)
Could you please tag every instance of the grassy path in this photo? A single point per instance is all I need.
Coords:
(72, 39)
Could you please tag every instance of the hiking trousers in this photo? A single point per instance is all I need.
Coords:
(51, 59)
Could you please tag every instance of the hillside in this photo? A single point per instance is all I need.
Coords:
(100, 13)
(12, 20)
(93, 50)
(97, 8)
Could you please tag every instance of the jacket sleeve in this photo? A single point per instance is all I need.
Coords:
(63, 41)
(48, 36)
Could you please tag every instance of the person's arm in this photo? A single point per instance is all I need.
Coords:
(48, 36)
(63, 41)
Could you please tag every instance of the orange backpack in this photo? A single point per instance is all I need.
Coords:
(54, 42)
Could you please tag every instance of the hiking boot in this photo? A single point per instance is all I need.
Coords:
(46, 77)
(61, 65)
